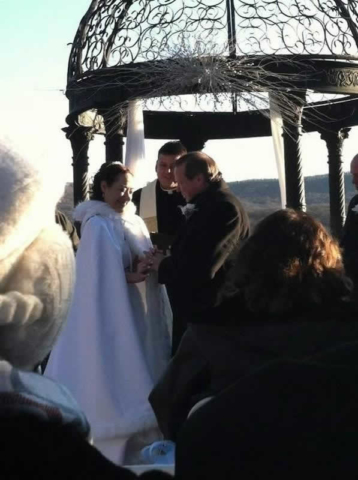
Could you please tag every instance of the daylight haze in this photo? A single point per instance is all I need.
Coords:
(34, 38)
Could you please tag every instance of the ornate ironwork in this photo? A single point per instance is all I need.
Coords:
(295, 184)
(114, 135)
(121, 32)
(343, 77)
(220, 52)
(80, 138)
(334, 140)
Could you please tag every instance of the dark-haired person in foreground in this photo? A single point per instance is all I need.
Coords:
(289, 300)
(116, 342)
(201, 255)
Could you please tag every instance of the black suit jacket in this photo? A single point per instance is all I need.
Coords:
(349, 242)
(203, 252)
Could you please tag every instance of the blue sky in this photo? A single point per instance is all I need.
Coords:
(33, 56)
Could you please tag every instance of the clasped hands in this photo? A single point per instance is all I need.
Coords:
(144, 266)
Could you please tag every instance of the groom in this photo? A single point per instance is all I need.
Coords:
(206, 244)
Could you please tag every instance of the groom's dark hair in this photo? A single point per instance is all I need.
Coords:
(197, 163)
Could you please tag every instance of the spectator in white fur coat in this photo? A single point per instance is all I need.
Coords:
(43, 432)
(36, 263)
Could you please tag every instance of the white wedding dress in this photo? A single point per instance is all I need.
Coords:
(116, 342)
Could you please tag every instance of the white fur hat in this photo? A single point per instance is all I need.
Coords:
(36, 263)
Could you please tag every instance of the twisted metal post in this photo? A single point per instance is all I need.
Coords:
(292, 133)
(79, 138)
(334, 141)
(114, 142)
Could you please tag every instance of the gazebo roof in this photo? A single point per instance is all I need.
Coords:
(229, 55)
(126, 49)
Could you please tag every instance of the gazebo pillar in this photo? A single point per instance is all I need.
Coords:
(79, 138)
(113, 123)
(337, 202)
(292, 133)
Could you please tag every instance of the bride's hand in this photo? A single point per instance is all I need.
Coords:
(154, 258)
(142, 268)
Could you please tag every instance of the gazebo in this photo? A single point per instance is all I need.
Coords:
(235, 56)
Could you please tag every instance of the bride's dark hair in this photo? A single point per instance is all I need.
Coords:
(109, 173)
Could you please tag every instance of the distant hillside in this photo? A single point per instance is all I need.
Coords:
(316, 189)
(262, 197)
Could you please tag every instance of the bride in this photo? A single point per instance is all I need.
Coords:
(116, 342)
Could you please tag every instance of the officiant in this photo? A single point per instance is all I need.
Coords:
(158, 203)
(206, 245)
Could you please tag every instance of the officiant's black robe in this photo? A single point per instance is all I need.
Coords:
(202, 255)
(169, 214)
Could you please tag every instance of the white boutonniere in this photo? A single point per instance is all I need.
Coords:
(355, 209)
(188, 210)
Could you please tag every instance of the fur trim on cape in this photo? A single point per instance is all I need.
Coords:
(131, 226)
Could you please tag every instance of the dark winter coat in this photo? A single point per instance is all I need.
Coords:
(286, 420)
(210, 358)
(349, 242)
(203, 252)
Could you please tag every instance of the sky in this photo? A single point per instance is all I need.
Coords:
(35, 37)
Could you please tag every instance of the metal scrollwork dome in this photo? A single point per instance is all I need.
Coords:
(119, 32)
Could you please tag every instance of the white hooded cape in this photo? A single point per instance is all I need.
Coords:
(116, 342)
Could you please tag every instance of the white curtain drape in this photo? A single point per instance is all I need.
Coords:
(277, 130)
(135, 149)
